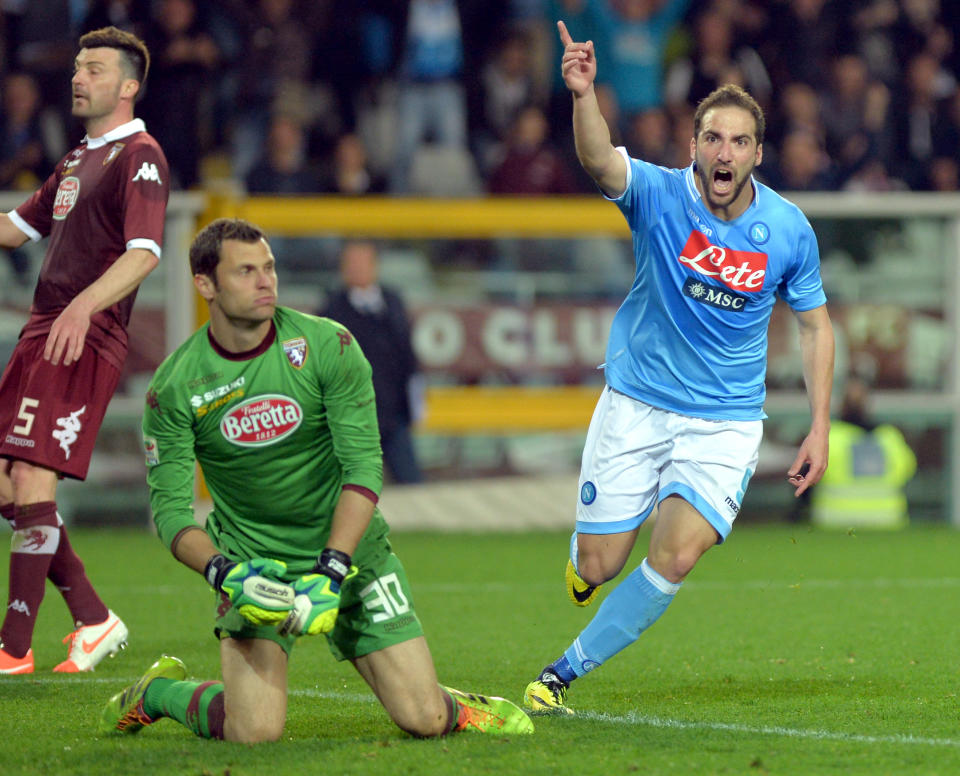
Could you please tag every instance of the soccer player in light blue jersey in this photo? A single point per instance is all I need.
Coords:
(679, 424)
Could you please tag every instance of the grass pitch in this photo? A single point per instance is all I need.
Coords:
(788, 651)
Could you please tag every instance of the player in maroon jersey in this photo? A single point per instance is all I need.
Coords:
(103, 209)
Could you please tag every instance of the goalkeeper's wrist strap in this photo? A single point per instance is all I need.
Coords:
(216, 569)
(333, 564)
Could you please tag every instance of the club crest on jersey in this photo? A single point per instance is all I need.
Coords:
(296, 351)
(742, 271)
(113, 153)
(67, 194)
(261, 420)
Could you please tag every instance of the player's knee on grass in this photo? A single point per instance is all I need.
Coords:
(426, 720)
(254, 730)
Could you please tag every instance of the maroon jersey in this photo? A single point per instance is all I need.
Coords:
(109, 194)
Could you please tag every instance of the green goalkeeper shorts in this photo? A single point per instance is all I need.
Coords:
(376, 612)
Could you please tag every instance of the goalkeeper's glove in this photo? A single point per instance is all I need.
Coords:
(253, 587)
(317, 601)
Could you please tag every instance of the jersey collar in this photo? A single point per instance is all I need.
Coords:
(130, 128)
(247, 354)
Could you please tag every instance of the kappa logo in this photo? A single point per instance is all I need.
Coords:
(19, 606)
(742, 271)
(66, 435)
(296, 351)
(147, 172)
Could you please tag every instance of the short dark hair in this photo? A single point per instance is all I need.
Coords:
(205, 248)
(134, 56)
(730, 95)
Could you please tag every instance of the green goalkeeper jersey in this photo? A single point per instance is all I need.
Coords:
(278, 432)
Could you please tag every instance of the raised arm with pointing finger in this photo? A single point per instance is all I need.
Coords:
(590, 131)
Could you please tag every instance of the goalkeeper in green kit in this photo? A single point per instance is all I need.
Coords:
(278, 409)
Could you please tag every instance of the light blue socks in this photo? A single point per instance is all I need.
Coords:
(627, 611)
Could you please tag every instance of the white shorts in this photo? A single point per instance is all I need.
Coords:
(636, 455)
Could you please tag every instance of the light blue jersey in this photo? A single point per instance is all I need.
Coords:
(691, 336)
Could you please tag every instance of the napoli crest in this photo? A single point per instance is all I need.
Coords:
(759, 233)
(588, 493)
(296, 351)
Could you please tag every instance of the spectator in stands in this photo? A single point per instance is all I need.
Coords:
(855, 115)
(508, 87)
(348, 172)
(185, 57)
(129, 15)
(376, 316)
(648, 136)
(635, 33)
(803, 165)
(32, 139)
(943, 174)
(800, 108)
(920, 108)
(800, 40)
(691, 78)
(284, 167)
(276, 51)
(529, 163)
(432, 99)
(872, 175)
(42, 39)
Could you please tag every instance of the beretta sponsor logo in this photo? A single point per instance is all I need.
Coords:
(261, 420)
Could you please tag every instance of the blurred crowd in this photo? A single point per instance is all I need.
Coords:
(461, 97)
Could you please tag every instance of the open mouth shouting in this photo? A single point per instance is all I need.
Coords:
(723, 182)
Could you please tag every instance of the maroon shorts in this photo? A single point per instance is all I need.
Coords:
(50, 415)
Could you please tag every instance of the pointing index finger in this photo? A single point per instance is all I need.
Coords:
(565, 38)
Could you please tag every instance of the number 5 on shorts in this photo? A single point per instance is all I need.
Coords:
(26, 416)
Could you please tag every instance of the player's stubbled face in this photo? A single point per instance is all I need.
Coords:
(246, 281)
(725, 153)
(96, 82)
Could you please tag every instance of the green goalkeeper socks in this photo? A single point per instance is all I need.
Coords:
(196, 705)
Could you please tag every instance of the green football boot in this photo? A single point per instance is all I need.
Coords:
(547, 694)
(581, 593)
(124, 711)
(489, 714)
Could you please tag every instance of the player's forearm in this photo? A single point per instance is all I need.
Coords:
(10, 234)
(350, 520)
(119, 281)
(193, 548)
(817, 349)
(594, 147)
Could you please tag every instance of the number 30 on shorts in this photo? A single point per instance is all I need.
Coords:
(384, 598)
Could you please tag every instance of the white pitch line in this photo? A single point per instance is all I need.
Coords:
(769, 730)
(624, 719)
